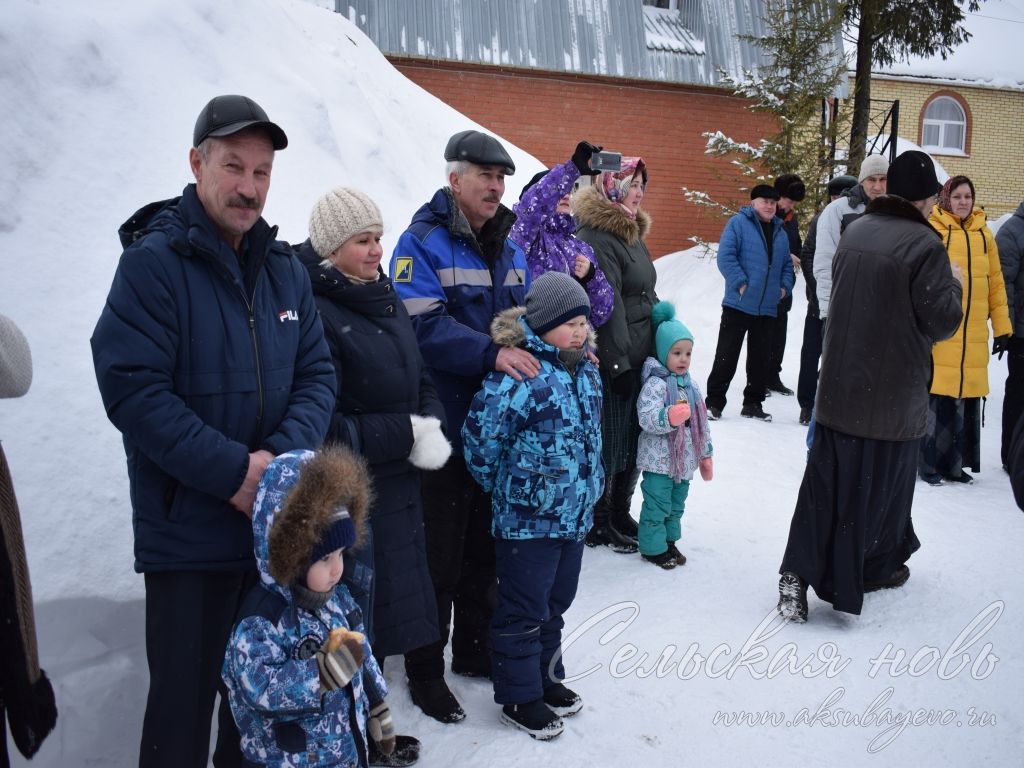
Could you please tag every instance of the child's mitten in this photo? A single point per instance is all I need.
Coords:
(430, 448)
(339, 658)
(381, 728)
(707, 468)
(678, 413)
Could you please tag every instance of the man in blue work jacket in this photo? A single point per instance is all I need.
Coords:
(455, 270)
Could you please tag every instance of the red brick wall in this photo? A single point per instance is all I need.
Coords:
(547, 113)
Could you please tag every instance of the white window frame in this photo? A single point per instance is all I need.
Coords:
(943, 124)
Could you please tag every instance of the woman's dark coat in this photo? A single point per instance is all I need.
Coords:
(381, 381)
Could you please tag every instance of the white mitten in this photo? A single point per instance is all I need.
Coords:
(430, 448)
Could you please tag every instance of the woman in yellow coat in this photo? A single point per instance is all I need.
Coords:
(960, 363)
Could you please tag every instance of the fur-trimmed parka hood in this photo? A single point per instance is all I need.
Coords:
(592, 209)
(294, 501)
(509, 329)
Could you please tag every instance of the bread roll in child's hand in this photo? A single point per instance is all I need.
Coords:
(339, 658)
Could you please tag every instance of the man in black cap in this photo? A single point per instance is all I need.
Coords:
(893, 296)
(455, 269)
(211, 360)
(791, 191)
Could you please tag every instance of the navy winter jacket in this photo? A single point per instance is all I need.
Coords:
(198, 365)
(453, 283)
(744, 259)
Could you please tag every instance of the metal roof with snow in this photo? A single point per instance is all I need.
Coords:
(619, 38)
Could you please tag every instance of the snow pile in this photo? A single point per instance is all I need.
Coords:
(101, 99)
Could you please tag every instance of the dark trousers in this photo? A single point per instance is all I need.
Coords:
(189, 617)
(537, 580)
(852, 519)
(1013, 399)
(779, 327)
(810, 355)
(734, 327)
(460, 556)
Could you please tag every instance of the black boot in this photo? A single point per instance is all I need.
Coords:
(622, 499)
(603, 534)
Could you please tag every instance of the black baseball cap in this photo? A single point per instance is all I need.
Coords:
(478, 148)
(225, 115)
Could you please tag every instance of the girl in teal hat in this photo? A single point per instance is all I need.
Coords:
(675, 441)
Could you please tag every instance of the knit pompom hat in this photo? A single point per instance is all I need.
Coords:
(667, 330)
(15, 360)
(340, 214)
(554, 298)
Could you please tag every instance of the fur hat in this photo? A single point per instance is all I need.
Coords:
(873, 165)
(792, 186)
(947, 191)
(554, 298)
(334, 479)
(763, 190)
(839, 184)
(615, 185)
(667, 330)
(340, 214)
(912, 176)
(15, 360)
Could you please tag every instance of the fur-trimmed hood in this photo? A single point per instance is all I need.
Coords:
(294, 501)
(592, 209)
(509, 329)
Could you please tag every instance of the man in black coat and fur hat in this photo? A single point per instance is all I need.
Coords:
(893, 296)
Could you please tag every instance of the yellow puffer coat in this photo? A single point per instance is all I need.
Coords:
(961, 362)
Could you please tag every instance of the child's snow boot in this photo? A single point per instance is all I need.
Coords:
(562, 701)
(665, 560)
(535, 718)
(674, 551)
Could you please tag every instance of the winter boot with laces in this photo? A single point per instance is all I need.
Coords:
(755, 412)
(533, 717)
(792, 597)
(562, 701)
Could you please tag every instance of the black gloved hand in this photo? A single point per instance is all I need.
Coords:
(622, 385)
(1000, 344)
(581, 158)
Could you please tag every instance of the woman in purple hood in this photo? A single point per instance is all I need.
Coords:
(545, 230)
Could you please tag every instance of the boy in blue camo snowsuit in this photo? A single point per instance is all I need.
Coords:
(301, 694)
(535, 445)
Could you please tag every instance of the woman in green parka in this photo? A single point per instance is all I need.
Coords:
(610, 219)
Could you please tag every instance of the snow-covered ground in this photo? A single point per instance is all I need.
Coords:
(100, 100)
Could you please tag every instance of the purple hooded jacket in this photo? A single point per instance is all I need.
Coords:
(549, 241)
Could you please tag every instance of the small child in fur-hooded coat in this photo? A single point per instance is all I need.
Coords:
(300, 682)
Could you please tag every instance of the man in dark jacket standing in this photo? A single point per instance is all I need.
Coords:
(1010, 240)
(810, 350)
(454, 269)
(211, 360)
(791, 191)
(893, 297)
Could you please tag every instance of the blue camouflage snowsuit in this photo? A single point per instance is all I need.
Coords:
(535, 445)
(270, 667)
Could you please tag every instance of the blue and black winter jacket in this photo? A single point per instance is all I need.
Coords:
(453, 283)
(745, 258)
(200, 360)
(535, 444)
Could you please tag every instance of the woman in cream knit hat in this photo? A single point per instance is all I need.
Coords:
(387, 410)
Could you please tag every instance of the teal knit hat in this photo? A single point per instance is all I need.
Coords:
(667, 330)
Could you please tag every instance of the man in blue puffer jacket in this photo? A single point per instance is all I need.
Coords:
(211, 360)
(455, 269)
(753, 256)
